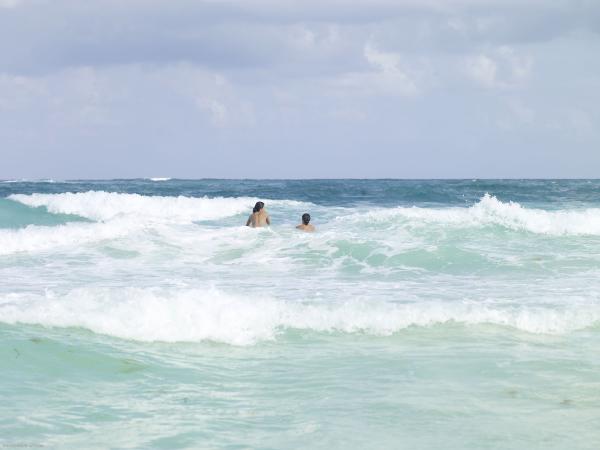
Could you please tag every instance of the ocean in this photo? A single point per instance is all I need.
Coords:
(422, 314)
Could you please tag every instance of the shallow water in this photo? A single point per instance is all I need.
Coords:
(421, 314)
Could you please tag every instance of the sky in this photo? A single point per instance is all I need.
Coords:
(299, 89)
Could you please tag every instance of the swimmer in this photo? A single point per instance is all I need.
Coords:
(259, 216)
(305, 225)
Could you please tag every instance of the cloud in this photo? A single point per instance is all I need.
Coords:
(418, 82)
(503, 68)
(482, 69)
(386, 76)
(258, 34)
(88, 97)
(9, 3)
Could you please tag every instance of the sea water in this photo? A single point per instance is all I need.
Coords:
(420, 315)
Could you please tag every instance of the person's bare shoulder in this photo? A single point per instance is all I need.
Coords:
(309, 228)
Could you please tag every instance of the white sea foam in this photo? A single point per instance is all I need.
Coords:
(117, 215)
(34, 238)
(198, 315)
(160, 179)
(491, 211)
(100, 205)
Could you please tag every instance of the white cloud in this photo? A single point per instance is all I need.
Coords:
(303, 37)
(209, 92)
(217, 111)
(519, 66)
(387, 75)
(69, 94)
(483, 70)
(96, 97)
(501, 68)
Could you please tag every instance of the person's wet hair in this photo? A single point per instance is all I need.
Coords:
(258, 206)
(305, 218)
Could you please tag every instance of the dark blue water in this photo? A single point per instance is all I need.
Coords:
(549, 194)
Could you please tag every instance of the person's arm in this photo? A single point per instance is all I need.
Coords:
(249, 221)
(268, 220)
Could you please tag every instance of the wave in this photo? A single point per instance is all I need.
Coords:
(113, 215)
(35, 238)
(17, 215)
(213, 315)
(159, 179)
(103, 206)
(491, 211)
(25, 180)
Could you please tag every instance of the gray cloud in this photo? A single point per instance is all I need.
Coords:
(65, 33)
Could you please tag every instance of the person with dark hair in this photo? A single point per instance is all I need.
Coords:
(259, 216)
(305, 225)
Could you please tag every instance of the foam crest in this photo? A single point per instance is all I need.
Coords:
(35, 238)
(491, 211)
(100, 205)
(199, 315)
(514, 216)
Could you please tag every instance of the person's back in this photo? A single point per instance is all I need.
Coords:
(259, 216)
(306, 225)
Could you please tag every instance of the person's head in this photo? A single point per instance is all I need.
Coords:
(305, 218)
(258, 206)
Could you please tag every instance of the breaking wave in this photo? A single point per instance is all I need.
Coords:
(213, 315)
(35, 238)
(491, 211)
(117, 214)
(103, 206)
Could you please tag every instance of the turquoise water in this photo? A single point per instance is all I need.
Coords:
(421, 314)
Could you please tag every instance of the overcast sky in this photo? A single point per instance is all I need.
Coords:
(300, 89)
